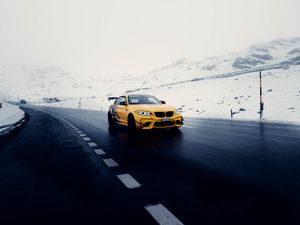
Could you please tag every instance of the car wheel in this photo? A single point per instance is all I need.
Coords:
(131, 123)
(111, 121)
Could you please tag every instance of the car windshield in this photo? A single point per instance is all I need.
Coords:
(143, 99)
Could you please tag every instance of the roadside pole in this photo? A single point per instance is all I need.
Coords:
(261, 108)
(79, 104)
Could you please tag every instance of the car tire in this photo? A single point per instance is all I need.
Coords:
(110, 119)
(131, 123)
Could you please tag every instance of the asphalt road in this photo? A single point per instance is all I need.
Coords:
(210, 172)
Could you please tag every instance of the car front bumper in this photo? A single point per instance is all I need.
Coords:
(147, 123)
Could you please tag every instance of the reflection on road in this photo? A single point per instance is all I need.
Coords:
(146, 138)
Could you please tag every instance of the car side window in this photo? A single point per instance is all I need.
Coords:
(119, 100)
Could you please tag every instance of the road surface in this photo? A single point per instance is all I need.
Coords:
(67, 166)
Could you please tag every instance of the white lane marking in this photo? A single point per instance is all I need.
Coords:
(162, 215)
(187, 126)
(99, 151)
(128, 181)
(92, 144)
(75, 129)
(86, 139)
(79, 132)
(82, 135)
(110, 162)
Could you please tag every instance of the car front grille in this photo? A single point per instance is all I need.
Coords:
(164, 114)
(169, 114)
(160, 114)
(164, 123)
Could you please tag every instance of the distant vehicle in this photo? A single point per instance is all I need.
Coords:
(23, 101)
(143, 112)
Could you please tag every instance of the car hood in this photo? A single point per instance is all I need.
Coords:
(152, 108)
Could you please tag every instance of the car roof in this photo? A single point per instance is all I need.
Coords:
(140, 95)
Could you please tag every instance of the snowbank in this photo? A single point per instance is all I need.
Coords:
(9, 115)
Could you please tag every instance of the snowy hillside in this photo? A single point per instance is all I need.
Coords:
(277, 53)
(206, 88)
(216, 97)
(36, 84)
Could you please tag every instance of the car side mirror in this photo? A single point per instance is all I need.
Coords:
(163, 102)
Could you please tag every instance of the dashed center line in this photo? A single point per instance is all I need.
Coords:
(99, 151)
(110, 162)
(92, 144)
(128, 181)
(86, 139)
(187, 126)
(162, 215)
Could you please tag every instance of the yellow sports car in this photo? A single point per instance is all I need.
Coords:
(143, 112)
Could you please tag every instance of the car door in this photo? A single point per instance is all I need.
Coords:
(121, 109)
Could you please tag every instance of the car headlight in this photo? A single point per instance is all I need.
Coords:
(143, 113)
(177, 112)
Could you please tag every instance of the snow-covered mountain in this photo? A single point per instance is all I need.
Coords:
(35, 84)
(277, 53)
(209, 88)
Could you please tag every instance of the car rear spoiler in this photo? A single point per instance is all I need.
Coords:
(112, 98)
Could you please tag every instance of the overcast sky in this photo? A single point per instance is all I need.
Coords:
(132, 37)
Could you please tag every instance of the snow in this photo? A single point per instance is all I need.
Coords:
(9, 114)
(279, 52)
(207, 88)
(214, 98)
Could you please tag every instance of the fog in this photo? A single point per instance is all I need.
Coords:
(132, 37)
